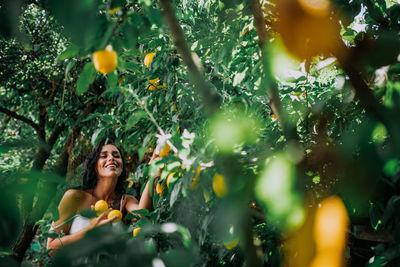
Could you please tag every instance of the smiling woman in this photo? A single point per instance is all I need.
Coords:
(102, 179)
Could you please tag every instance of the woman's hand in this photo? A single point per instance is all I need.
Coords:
(101, 219)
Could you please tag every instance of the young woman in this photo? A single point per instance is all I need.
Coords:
(103, 179)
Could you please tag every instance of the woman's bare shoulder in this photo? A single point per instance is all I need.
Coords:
(74, 194)
(130, 203)
(74, 199)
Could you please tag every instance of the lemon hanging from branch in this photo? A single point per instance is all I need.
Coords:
(219, 185)
(148, 59)
(105, 61)
(156, 84)
(136, 231)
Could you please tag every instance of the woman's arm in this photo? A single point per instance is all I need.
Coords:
(67, 208)
(146, 201)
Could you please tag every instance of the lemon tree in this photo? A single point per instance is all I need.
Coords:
(268, 109)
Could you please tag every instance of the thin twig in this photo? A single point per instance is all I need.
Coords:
(144, 107)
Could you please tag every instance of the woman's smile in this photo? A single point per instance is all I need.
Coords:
(109, 162)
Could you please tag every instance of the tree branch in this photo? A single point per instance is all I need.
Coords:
(54, 135)
(268, 79)
(209, 97)
(21, 118)
(350, 65)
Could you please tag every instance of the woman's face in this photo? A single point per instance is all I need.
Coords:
(109, 162)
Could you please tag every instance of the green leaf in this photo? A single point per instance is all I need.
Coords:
(133, 119)
(175, 193)
(86, 78)
(70, 52)
(141, 152)
(95, 136)
(132, 67)
(35, 247)
(91, 116)
(112, 80)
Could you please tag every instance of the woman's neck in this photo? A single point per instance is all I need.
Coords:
(105, 188)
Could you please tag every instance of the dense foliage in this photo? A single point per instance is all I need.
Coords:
(269, 107)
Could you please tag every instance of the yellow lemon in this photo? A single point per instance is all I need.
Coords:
(136, 231)
(219, 186)
(121, 80)
(230, 245)
(330, 224)
(105, 61)
(160, 188)
(195, 183)
(196, 179)
(327, 259)
(164, 152)
(114, 10)
(156, 84)
(148, 59)
(115, 213)
(100, 206)
(169, 178)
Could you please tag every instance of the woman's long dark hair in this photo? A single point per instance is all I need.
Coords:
(89, 176)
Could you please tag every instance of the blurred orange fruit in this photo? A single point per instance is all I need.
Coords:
(306, 29)
(136, 231)
(105, 61)
(219, 186)
(330, 224)
(327, 259)
(230, 245)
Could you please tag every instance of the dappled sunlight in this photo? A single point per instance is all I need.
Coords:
(200, 133)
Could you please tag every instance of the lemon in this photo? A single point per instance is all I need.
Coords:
(164, 152)
(160, 188)
(219, 186)
(196, 179)
(136, 231)
(156, 84)
(195, 183)
(148, 59)
(115, 213)
(114, 10)
(105, 61)
(330, 225)
(100, 206)
(169, 178)
(230, 245)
